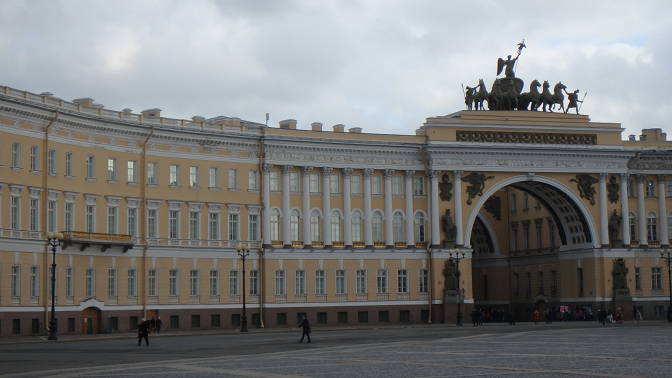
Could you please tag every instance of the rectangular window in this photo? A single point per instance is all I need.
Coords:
(112, 169)
(554, 283)
(213, 178)
(34, 158)
(418, 186)
(340, 282)
(541, 282)
(355, 184)
(516, 283)
(402, 280)
(194, 225)
(253, 180)
(294, 182)
(132, 222)
(668, 188)
(16, 155)
(280, 282)
(51, 162)
(233, 227)
(254, 282)
(152, 223)
(193, 283)
(213, 226)
(34, 214)
(656, 278)
(424, 281)
(193, 176)
(16, 281)
(214, 282)
(638, 279)
(34, 281)
(253, 227)
(69, 216)
(173, 224)
(14, 213)
(112, 283)
(650, 188)
(361, 281)
(274, 181)
(51, 216)
(397, 186)
(233, 179)
(69, 164)
(69, 282)
(314, 183)
(382, 281)
(335, 183)
(172, 282)
(300, 282)
(90, 283)
(152, 286)
(111, 220)
(131, 171)
(528, 284)
(152, 174)
(526, 202)
(90, 167)
(132, 283)
(631, 189)
(320, 282)
(376, 185)
(174, 175)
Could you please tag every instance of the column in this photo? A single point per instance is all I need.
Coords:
(410, 240)
(664, 235)
(326, 207)
(266, 222)
(459, 232)
(604, 219)
(389, 217)
(625, 219)
(641, 210)
(347, 219)
(368, 231)
(434, 192)
(286, 235)
(305, 199)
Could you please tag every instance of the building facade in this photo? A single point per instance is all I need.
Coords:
(346, 227)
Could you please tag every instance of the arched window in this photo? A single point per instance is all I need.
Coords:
(315, 226)
(294, 225)
(336, 226)
(398, 226)
(275, 224)
(652, 226)
(356, 223)
(632, 221)
(419, 226)
(377, 223)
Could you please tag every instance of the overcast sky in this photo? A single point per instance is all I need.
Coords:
(384, 66)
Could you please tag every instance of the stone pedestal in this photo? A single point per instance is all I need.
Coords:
(623, 300)
(449, 244)
(617, 243)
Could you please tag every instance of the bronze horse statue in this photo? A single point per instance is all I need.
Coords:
(510, 98)
(546, 98)
(530, 98)
(558, 97)
(496, 96)
(480, 96)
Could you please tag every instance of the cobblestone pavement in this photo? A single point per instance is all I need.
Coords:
(545, 350)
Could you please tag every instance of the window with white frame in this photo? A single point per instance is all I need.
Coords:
(314, 183)
(233, 178)
(668, 188)
(233, 227)
(652, 226)
(418, 186)
(253, 180)
(69, 216)
(280, 282)
(34, 158)
(112, 169)
(381, 278)
(15, 213)
(341, 287)
(355, 184)
(275, 224)
(669, 224)
(336, 234)
(112, 282)
(512, 205)
(193, 283)
(51, 162)
(111, 220)
(90, 283)
(419, 226)
(294, 225)
(16, 281)
(377, 226)
(16, 155)
(398, 226)
(152, 285)
(424, 280)
(173, 286)
(34, 214)
(69, 282)
(294, 182)
(274, 181)
(376, 185)
(356, 226)
(194, 225)
(315, 229)
(34, 281)
(397, 185)
(656, 278)
(214, 282)
(193, 176)
(300, 282)
(132, 283)
(213, 226)
(638, 278)
(174, 175)
(631, 189)
(132, 222)
(253, 227)
(254, 282)
(152, 223)
(213, 178)
(632, 221)
(69, 163)
(334, 183)
(361, 281)
(650, 187)
(90, 216)
(402, 280)
(132, 171)
(51, 216)
(320, 282)
(173, 224)
(152, 174)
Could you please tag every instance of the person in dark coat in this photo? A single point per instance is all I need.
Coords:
(159, 323)
(143, 332)
(152, 325)
(306, 329)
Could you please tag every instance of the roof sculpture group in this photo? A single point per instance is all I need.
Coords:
(505, 93)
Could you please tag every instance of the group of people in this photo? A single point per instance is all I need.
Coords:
(147, 326)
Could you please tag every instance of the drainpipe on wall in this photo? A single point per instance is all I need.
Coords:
(142, 210)
(262, 158)
(45, 203)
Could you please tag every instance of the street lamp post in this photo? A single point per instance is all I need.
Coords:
(243, 252)
(457, 259)
(668, 252)
(54, 240)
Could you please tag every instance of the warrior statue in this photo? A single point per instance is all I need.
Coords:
(614, 226)
(510, 63)
(448, 226)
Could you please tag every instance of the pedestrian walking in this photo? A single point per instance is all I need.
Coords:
(152, 325)
(143, 332)
(536, 317)
(602, 316)
(636, 315)
(619, 317)
(306, 329)
(610, 316)
(159, 323)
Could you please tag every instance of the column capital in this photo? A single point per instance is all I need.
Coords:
(603, 177)
(388, 173)
(624, 177)
(306, 170)
(347, 172)
(266, 167)
(661, 178)
(409, 174)
(433, 174)
(457, 175)
(367, 172)
(640, 177)
(286, 169)
(327, 170)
